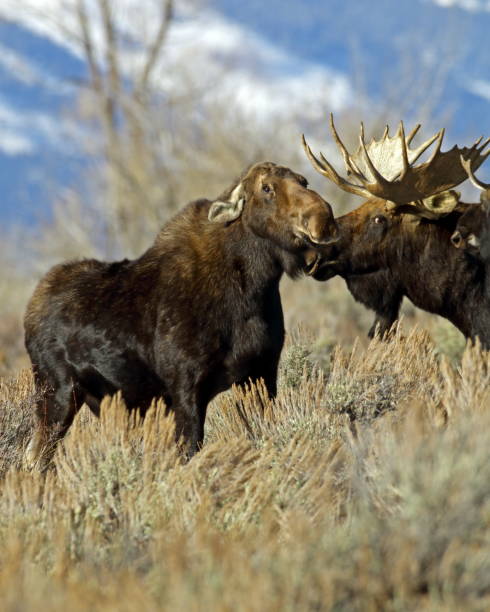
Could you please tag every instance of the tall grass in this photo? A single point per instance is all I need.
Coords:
(365, 485)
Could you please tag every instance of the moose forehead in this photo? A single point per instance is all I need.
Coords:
(376, 206)
(476, 218)
(366, 210)
(270, 171)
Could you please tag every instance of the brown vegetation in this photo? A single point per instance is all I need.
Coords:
(364, 486)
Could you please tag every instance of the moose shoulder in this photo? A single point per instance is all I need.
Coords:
(398, 243)
(197, 312)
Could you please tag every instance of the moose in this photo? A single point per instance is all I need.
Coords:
(199, 311)
(398, 243)
(473, 228)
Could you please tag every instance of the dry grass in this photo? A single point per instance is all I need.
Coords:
(366, 485)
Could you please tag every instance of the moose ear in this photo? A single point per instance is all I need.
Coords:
(443, 203)
(226, 212)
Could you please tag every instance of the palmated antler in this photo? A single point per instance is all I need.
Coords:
(385, 168)
(485, 187)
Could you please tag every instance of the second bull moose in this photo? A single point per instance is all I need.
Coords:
(198, 311)
(398, 243)
(473, 228)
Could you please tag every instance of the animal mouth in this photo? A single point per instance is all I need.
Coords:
(324, 266)
(312, 267)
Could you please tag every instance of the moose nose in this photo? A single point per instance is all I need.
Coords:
(457, 239)
(320, 229)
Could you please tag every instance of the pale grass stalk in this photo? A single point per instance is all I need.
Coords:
(345, 492)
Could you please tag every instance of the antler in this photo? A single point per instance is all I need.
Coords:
(485, 187)
(386, 168)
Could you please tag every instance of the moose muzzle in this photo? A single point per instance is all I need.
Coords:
(316, 223)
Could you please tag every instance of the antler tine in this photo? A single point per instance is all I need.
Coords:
(424, 146)
(435, 153)
(483, 145)
(411, 136)
(466, 163)
(316, 162)
(349, 164)
(329, 171)
(360, 177)
(474, 152)
(403, 143)
(378, 178)
(326, 163)
(388, 170)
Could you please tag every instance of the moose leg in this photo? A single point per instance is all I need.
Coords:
(189, 407)
(189, 428)
(266, 369)
(382, 325)
(486, 284)
(386, 315)
(55, 411)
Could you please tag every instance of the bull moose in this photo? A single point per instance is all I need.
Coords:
(198, 311)
(398, 243)
(473, 228)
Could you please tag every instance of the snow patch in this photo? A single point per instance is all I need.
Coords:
(216, 55)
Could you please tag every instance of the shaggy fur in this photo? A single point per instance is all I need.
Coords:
(384, 256)
(199, 311)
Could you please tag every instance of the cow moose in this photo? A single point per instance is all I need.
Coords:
(398, 243)
(199, 311)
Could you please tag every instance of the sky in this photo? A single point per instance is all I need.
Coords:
(305, 58)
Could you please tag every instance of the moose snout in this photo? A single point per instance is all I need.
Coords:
(457, 239)
(465, 240)
(319, 227)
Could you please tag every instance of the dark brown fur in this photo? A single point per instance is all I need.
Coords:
(384, 256)
(198, 311)
(473, 231)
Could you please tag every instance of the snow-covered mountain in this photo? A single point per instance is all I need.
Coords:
(279, 57)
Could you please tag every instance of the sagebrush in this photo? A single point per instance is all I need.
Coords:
(365, 485)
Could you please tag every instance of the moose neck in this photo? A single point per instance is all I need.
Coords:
(444, 280)
(231, 253)
(263, 261)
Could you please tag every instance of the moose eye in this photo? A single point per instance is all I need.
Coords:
(266, 188)
(379, 219)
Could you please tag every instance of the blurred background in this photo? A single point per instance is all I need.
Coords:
(113, 115)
